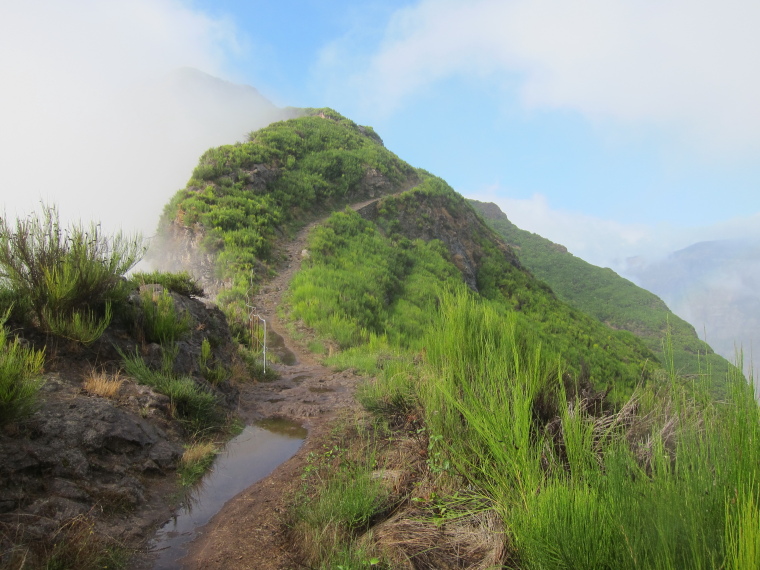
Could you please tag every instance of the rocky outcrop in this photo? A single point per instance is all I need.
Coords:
(82, 454)
(418, 215)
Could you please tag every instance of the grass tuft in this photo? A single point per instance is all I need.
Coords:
(82, 326)
(195, 461)
(103, 384)
(191, 403)
(162, 322)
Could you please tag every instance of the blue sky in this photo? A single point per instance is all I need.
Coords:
(619, 128)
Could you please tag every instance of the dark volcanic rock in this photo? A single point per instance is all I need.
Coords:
(82, 456)
(79, 443)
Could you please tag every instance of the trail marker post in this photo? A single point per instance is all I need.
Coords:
(253, 323)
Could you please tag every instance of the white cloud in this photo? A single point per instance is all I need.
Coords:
(688, 65)
(93, 116)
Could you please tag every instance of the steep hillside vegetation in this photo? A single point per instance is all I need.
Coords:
(225, 224)
(602, 293)
(378, 276)
(379, 273)
(511, 429)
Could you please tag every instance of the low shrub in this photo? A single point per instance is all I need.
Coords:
(181, 283)
(161, 321)
(82, 326)
(20, 381)
(58, 272)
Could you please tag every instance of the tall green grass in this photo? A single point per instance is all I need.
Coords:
(667, 481)
(193, 405)
(162, 322)
(480, 395)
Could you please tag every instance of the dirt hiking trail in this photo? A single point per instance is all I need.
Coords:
(246, 533)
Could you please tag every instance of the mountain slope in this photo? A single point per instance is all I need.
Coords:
(417, 238)
(495, 444)
(605, 295)
(380, 273)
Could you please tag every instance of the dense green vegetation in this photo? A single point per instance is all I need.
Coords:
(20, 369)
(60, 281)
(244, 196)
(662, 483)
(359, 283)
(602, 293)
(69, 282)
(63, 279)
(368, 281)
(667, 479)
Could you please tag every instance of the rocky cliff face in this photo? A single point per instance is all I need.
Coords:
(180, 248)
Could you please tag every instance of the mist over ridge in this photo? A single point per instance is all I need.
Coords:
(119, 162)
(714, 285)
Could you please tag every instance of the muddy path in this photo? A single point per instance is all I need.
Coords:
(246, 532)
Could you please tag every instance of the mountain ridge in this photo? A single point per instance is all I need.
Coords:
(612, 299)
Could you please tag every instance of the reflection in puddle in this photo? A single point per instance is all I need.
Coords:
(247, 458)
(277, 345)
(283, 427)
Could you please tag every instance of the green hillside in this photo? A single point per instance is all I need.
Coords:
(511, 429)
(378, 272)
(602, 293)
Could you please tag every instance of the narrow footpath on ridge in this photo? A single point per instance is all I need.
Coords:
(246, 532)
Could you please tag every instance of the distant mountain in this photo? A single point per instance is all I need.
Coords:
(715, 286)
(604, 294)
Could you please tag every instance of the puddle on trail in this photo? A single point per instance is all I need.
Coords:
(247, 458)
(277, 345)
(320, 389)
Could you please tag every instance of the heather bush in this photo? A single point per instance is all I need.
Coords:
(62, 279)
